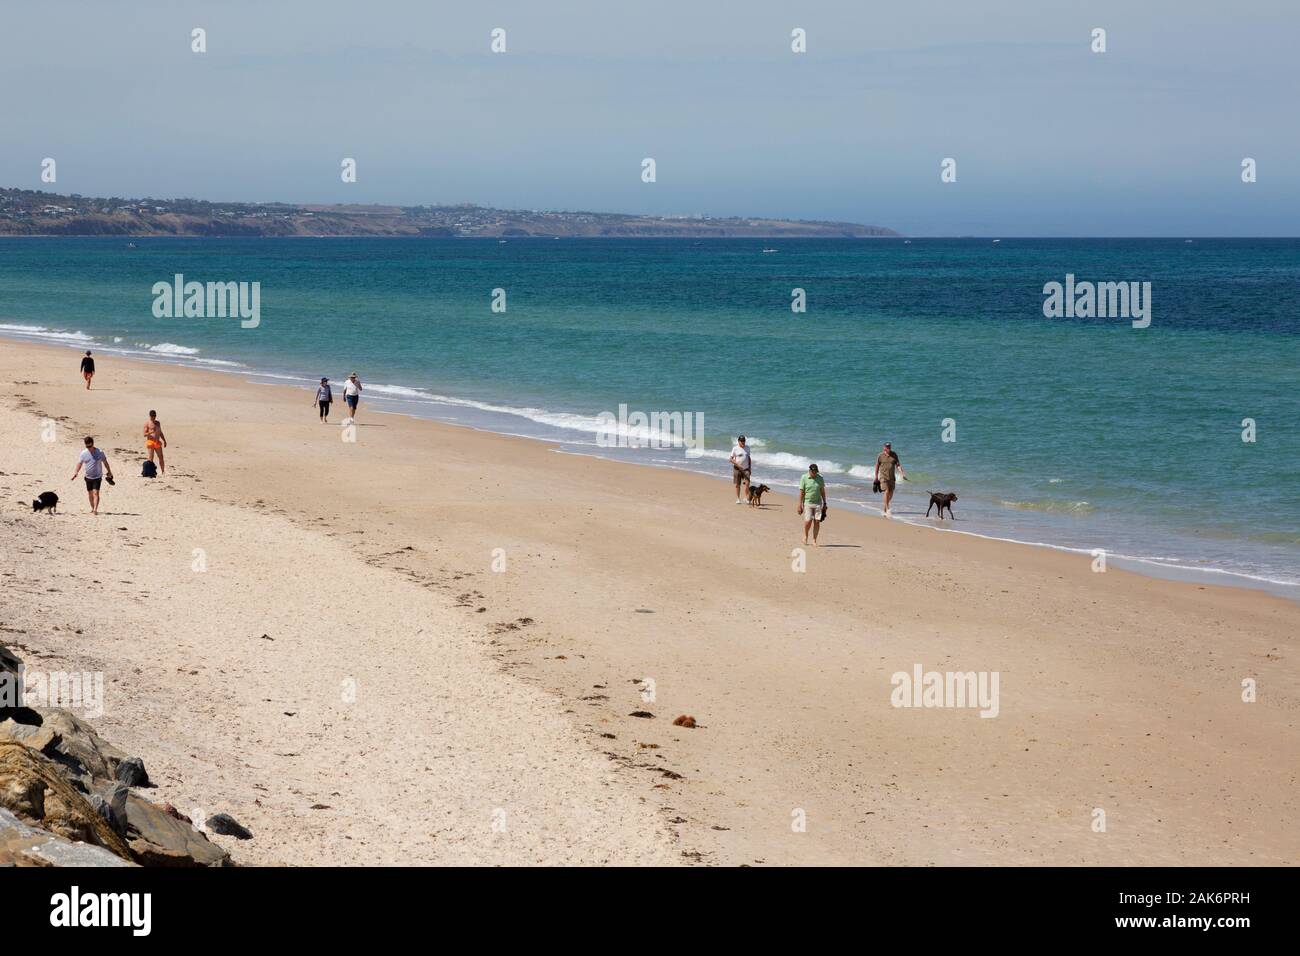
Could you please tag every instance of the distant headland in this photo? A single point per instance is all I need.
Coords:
(26, 212)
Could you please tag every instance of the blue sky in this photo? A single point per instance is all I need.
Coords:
(1049, 137)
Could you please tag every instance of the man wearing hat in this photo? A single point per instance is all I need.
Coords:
(352, 394)
(812, 502)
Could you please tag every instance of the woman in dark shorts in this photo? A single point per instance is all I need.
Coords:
(324, 398)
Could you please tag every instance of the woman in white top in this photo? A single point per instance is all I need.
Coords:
(740, 464)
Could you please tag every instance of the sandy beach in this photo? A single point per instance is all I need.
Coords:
(425, 645)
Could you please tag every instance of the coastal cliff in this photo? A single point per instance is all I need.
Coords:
(34, 213)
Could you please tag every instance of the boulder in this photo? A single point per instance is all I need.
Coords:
(132, 773)
(159, 839)
(24, 845)
(32, 789)
(110, 803)
(11, 683)
(226, 825)
(81, 751)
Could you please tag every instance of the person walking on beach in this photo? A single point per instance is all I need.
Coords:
(352, 393)
(88, 368)
(154, 440)
(886, 464)
(740, 467)
(812, 502)
(324, 398)
(96, 464)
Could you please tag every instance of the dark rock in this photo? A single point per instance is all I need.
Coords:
(110, 804)
(159, 839)
(642, 713)
(82, 753)
(11, 683)
(226, 825)
(132, 773)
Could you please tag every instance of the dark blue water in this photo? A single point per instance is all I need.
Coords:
(1077, 432)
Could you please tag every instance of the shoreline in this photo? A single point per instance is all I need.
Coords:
(1118, 690)
(1172, 569)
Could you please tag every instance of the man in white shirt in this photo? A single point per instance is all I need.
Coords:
(740, 465)
(96, 464)
(352, 394)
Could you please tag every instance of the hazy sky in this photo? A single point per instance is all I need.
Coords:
(1049, 137)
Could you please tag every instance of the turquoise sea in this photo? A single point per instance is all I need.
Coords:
(1080, 433)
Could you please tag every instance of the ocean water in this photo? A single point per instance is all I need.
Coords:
(1077, 433)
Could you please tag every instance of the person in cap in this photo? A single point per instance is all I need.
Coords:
(324, 398)
(812, 502)
(352, 394)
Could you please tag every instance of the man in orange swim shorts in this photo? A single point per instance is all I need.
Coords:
(154, 440)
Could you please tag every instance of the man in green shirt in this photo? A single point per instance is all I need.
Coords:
(812, 502)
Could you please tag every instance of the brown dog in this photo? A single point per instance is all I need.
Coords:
(943, 500)
(756, 495)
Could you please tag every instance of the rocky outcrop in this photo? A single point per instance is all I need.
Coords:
(24, 845)
(160, 839)
(32, 789)
(65, 797)
(82, 752)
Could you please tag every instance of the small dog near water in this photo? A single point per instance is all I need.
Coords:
(48, 501)
(756, 495)
(943, 500)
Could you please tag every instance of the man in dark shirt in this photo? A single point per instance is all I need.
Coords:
(886, 464)
(87, 369)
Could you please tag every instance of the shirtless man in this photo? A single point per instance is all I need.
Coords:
(154, 440)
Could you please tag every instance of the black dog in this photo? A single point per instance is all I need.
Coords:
(48, 501)
(756, 495)
(943, 500)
